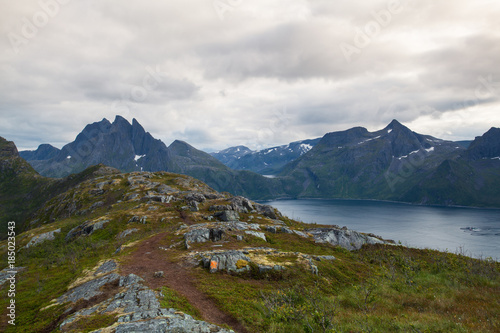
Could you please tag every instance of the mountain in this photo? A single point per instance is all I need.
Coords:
(128, 147)
(43, 152)
(486, 146)
(163, 252)
(472, 179)
(267, 161)
(394, 163)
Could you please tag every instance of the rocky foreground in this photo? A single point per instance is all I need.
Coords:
(162, 226)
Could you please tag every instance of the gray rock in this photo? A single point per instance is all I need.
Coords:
(159, 274)
(96, 192)
(241, 204)
(320, 258)
(256, 234)
(195, 196)
(157, 198)
(227, 215)
(48, 236)
(134, 218)
(267, 211)
(224, 261)
(219, 207)
(107, 267)
(348, 239)
(139, 219)
(125, 233)
(171, 324)
(197, 236)
(165, 189)
(89, 289)
(272, 228)
(133, 196)
(97, 205)
(300, 233)
(194, 206)
(85, 229)
(203, 235)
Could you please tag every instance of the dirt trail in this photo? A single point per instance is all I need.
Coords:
(148, 258)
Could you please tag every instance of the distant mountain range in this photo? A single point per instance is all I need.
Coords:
(394, 163)
(267, 161)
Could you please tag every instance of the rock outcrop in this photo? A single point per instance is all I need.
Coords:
(348, 239)
(136, 307)
(47, 236)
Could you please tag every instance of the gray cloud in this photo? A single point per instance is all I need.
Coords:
(268, 73)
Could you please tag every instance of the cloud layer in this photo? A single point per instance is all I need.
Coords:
(259, 73)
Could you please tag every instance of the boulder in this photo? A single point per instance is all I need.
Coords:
(85, 229)
(348, 239)
(203, 235)
(227, 215)
(125, 233)
(106, 267)
(47, 236)
(256, 234)
(241, 204)
(195, 196)
(267, 211)
(230, 261)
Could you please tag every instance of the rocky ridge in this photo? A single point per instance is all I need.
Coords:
(207, 230)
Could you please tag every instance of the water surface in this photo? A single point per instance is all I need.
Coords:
(476, 231)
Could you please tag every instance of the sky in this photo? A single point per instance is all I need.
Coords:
(260, 73)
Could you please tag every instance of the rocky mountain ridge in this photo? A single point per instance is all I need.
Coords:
(128, 147)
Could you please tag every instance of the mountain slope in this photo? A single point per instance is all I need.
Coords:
(43, 152)
(267, 161)
(473, 179)
(367, 165)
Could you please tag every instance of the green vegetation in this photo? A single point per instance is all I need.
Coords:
(380, 288)
(377, 289)
(172, 299)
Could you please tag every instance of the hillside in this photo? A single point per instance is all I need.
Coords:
(163, 252)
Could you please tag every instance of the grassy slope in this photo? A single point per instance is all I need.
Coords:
(377, 289)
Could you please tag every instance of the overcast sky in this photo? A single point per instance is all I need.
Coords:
(253, 72)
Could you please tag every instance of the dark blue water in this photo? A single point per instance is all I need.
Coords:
(475, 231)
